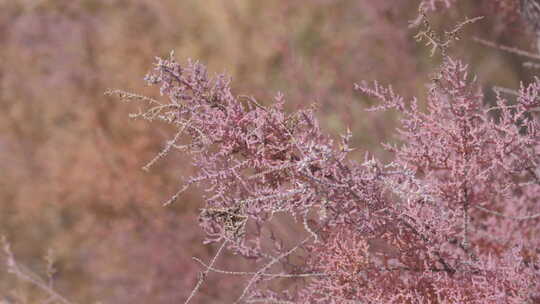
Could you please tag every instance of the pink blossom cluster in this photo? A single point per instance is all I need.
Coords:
(454, 218)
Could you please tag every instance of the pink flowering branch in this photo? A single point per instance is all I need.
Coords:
(439, 223)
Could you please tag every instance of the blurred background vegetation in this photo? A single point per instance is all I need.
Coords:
(70, 159)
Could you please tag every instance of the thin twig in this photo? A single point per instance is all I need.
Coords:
(508, 49)
(518, 218)
(276, 275)
(203, 275)
(25, 274)
(167, 148)
(176, 195)
(272, 262)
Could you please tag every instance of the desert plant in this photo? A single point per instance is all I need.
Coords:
(454, 218)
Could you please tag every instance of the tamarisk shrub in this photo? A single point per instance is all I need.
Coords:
(474, 201)
(455, 218)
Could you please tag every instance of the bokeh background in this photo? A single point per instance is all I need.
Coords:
(70, 159)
